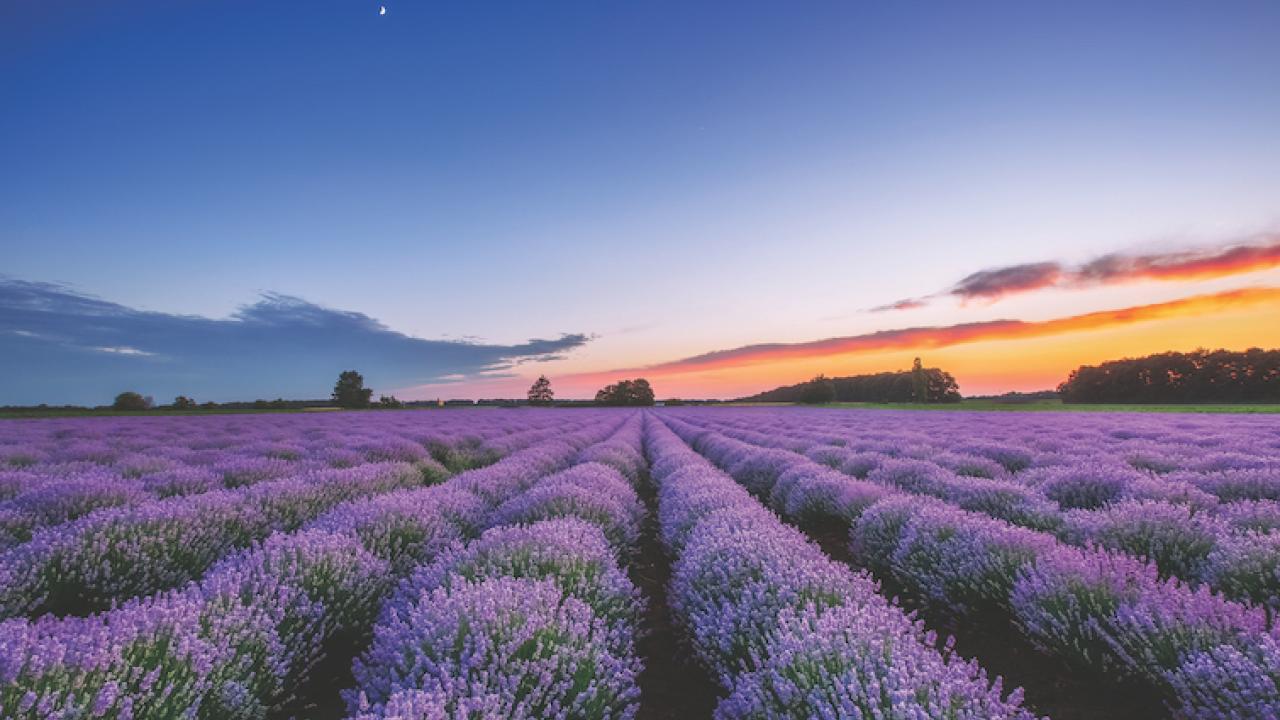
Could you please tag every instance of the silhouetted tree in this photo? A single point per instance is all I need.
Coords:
(919, 382)
(182, 402)
(130, 400)
(626, 392)
(941, 387)
(886, 387)
(389, 402)
(540, 393)
(1196, 377)
(817, 391)
(350, 392)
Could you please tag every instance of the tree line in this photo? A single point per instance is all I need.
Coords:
(1202, 376)
(350, 393)
(917, 385)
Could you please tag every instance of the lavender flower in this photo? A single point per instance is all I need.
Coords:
(572, 553)
(864, 662)
(407, 527)
(1171, 536)
(516, 647)
(589, 491)
(1083, 485)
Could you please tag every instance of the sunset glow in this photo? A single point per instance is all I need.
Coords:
(989, 357)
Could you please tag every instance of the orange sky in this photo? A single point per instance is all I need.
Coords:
(985, 357)
(1258, 253)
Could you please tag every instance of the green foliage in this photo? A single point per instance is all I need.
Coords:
(919, 382)
(277, 404)
(626, 393)
(182, 402)
(540, 393)
(389, 402)
(1220, 376)
(130, 400)
(887, 387)
(817, 391)
(350, 392)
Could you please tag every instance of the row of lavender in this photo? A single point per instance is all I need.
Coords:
(1222, 540)
(534, 618)
(58, 470)
(788, 632)
(115, 553)
(1091, 606)
(244, 640)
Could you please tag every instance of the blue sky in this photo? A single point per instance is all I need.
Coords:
(669, 179)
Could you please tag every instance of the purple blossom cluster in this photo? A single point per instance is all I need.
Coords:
(1213, 658)
(235, 644)
(1098, 501)
(1166, 513)
(789, 632)
(474, 563)
(532, 619)
(502, 647)
(1096, 609)
(123, 552)
(1175, 537)
(590, 491)
(240, 641)
(55, 500)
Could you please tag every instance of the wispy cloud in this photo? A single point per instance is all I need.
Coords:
(125, 350)
(1257, 253)
(947, 335)
(59, 345)
(904, 304)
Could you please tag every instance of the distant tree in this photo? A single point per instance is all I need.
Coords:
(540, 393)
(941, 387)
(130, 400)
(919, 382)
(389, 402)
(210, 405)
(626, 393)
(641, 392)
(350, 392)
(612, 394)
(1201, 376)
(818, 390)
(182, 402)
(885, 387)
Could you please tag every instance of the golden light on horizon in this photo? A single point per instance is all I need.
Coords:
(985, 358)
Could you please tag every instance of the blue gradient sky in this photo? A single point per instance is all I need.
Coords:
(672, 179)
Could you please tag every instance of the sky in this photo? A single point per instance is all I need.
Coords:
(236, 199)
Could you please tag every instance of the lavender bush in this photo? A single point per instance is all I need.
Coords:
(476, 562)
(789, 632)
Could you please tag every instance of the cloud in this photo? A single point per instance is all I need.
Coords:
(1258, 253)
(997, 282)
(60, 346)
(943, 336)
(1188, 265)
(125, 350)
(906, 304)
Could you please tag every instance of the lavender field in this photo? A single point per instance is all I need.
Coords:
(666, 563)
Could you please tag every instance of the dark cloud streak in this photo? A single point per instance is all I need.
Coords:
(1258, 253)
(60, 346)
(929, 337)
